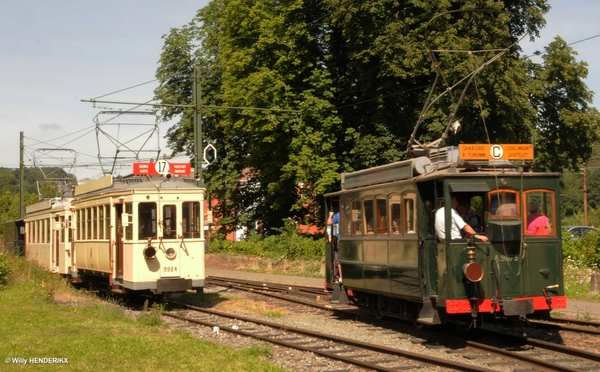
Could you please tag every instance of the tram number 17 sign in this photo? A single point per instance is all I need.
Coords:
(161, 167)
(495, 152)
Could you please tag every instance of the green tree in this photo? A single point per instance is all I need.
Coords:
(359, 72)
(567, 124)
(259, 55)
(9, 207)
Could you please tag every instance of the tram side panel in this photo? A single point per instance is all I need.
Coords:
(46, 235)
(404, 269)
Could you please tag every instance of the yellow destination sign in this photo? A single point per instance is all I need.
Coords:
(495, 152)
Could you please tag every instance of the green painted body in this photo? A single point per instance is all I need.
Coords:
(419, 267)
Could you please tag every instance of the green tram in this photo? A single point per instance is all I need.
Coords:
(393, 262)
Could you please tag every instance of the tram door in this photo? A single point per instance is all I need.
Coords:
(428, 247)
(119, 240)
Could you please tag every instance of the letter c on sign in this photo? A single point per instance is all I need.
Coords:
(496, 151)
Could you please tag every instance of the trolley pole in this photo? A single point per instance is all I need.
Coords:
(21, 177)
(585, 206)
(198, 153)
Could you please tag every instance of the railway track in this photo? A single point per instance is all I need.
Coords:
(566, 324)
(532, 355)
(366, 355)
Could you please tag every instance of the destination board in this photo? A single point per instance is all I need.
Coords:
(161, 167)
(495, 152)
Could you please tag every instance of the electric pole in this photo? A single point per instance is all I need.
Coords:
(21, 178)
(198, 153)
(585, 207)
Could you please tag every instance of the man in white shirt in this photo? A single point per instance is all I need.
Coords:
(457, 225)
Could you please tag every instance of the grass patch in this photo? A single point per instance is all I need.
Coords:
(272, 314)
(42, 317)
(151, 316)
(577, 281)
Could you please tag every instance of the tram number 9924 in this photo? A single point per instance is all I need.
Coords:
(170, 269)
(504, 258)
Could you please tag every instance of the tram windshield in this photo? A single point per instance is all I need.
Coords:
(169, 222)
(190, 220)
(146, 220)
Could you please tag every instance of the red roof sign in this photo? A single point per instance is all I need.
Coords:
(161, 167)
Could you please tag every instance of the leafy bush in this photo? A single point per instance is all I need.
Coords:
(285, 243)
(4, 269)
(584, 251)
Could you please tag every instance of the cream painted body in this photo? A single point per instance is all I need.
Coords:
(47, 235)
(106, 247)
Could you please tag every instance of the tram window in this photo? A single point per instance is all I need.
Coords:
(78, 226)
(62, 228)
(94, 223)
(429, 216)
(48, 233)
(381, 216)
(356, 218)
(169, 223)
(100, 222)
(107, 222)
(190, 219)
(89, 222)
(395, 213)
(346, 217)
(129, 228)
(146, 220)
(69, 229)
(504, 203)
(410, 215)
(369, 216)
(540, 212)
(467, 207)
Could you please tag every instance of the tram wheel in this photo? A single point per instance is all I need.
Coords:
(418, 325)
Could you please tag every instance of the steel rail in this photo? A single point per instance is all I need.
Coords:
(239, 284)
(328, 337)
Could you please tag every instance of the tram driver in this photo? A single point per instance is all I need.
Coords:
(458, 225)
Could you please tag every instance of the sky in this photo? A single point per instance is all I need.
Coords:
(53, 54)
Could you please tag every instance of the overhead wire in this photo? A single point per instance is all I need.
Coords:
(124, 89)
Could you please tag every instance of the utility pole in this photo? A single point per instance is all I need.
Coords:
(585, 206)
(198, 153)
(21, 177)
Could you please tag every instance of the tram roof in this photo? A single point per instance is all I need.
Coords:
(407, 171)
(131, 182)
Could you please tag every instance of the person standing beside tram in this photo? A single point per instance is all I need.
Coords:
(333, 227)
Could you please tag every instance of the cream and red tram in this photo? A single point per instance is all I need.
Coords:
(134, 233)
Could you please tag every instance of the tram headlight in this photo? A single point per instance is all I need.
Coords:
(473, 271)
(171, 253)
(149, 252)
